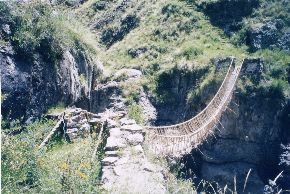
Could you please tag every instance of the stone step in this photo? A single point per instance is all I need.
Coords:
(132, 128)
(109, 161)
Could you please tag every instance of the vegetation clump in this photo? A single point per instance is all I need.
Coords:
(111, 35)
(41, 29)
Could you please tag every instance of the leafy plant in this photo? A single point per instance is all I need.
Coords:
(135, 111)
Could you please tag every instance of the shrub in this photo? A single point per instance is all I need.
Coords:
(191, 52)
(276, 89)
(58, 108)
(135, 111)
(114, 34)
(173, 10)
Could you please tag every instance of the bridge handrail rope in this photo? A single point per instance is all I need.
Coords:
(183, 136)
(203, 111)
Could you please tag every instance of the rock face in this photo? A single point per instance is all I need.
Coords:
(248, 138)
(284, 165)
(228, 14)
(268, 35)
(173, 87)
(109, 96)
(30, 88)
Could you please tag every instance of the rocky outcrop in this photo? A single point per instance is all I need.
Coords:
(80, 123)
(109, 96)
(30, 88)
(268, 35)
(284, 165)
(228, 14)
(172, 89)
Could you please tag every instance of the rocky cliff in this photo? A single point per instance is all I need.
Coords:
(30, 88)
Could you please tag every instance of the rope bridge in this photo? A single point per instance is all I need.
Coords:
(181, 138)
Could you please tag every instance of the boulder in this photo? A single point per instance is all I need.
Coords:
(137, 52)
(252, 67)
(114, 143)
(268, 35)
(135, 139)
(125, 74)
(222, 63)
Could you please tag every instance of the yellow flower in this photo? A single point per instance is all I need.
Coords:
(64, 166)
(82, 175)
(84, 165)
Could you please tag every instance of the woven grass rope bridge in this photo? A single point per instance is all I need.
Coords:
(180, 139)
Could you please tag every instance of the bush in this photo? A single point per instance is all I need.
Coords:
(276, 90)
(114, 34)
(191, 52)
(135, 111)
(173, 10)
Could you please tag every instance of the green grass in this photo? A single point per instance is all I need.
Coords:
(60, 168)
(58, 108)
(135, 111)
(46, 30)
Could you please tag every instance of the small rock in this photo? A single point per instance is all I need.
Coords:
(122, 113)
(107, 175)
(109, 161)
(118, 170)
(72, 130)
(115, 132)
(149, 167)
(85, 128)
(124, 74)
(94, 121)
(111, 123)
(121, 161)
(76, 118)
(6, 29)
(126, 121)
(134, 139)
(138, 149)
